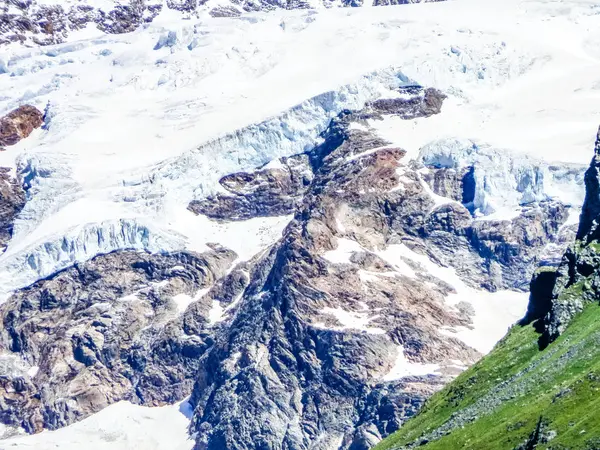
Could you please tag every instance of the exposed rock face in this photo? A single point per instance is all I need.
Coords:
(19, 124)
(225, 11)
(577, 279)
(266, 192)
(15, 126)
(105, 330)
(540, 299)
(329, 339)
(588, 221)
(288, 371)
(456, 184)
(51, 24)
(425, 104)
(512, 248)
(395, 2)
(12, 200)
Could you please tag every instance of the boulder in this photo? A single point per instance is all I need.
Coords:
(19, 123)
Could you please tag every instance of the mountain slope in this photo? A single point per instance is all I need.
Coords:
(297, 225)
(539, 387)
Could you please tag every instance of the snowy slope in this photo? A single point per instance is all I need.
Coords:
(121, 425)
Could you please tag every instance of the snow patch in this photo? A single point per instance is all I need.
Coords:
(12, 365)
(120, 426)
(344, 251)
(216, 313)
(495, 312)
(352, 320)
(404, 368)
(182, 301)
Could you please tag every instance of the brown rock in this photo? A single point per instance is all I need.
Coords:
(12, 201)
(428, 103)
(19, 124)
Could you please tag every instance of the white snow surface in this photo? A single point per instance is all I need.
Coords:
(140, 124)
(13, 365)
(120, 426)
(343, 252)
(215, 315)
(404, 368)
(353, 321)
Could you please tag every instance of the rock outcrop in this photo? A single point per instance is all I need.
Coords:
(577, 279)
(19, 124)
(418, 103)
(590, 211)
(267, 192)
(47, 24)
(14, 126)
(12, 200)
(113, 328)
(304, 362)
(225, 11)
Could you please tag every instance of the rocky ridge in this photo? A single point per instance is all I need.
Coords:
(576, 282)
(40, 23)
(330, 338)
(362, 198)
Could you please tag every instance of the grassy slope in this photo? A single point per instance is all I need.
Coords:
(561, 384)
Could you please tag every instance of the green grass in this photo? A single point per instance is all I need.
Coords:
(562, 384)
(594, 246)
